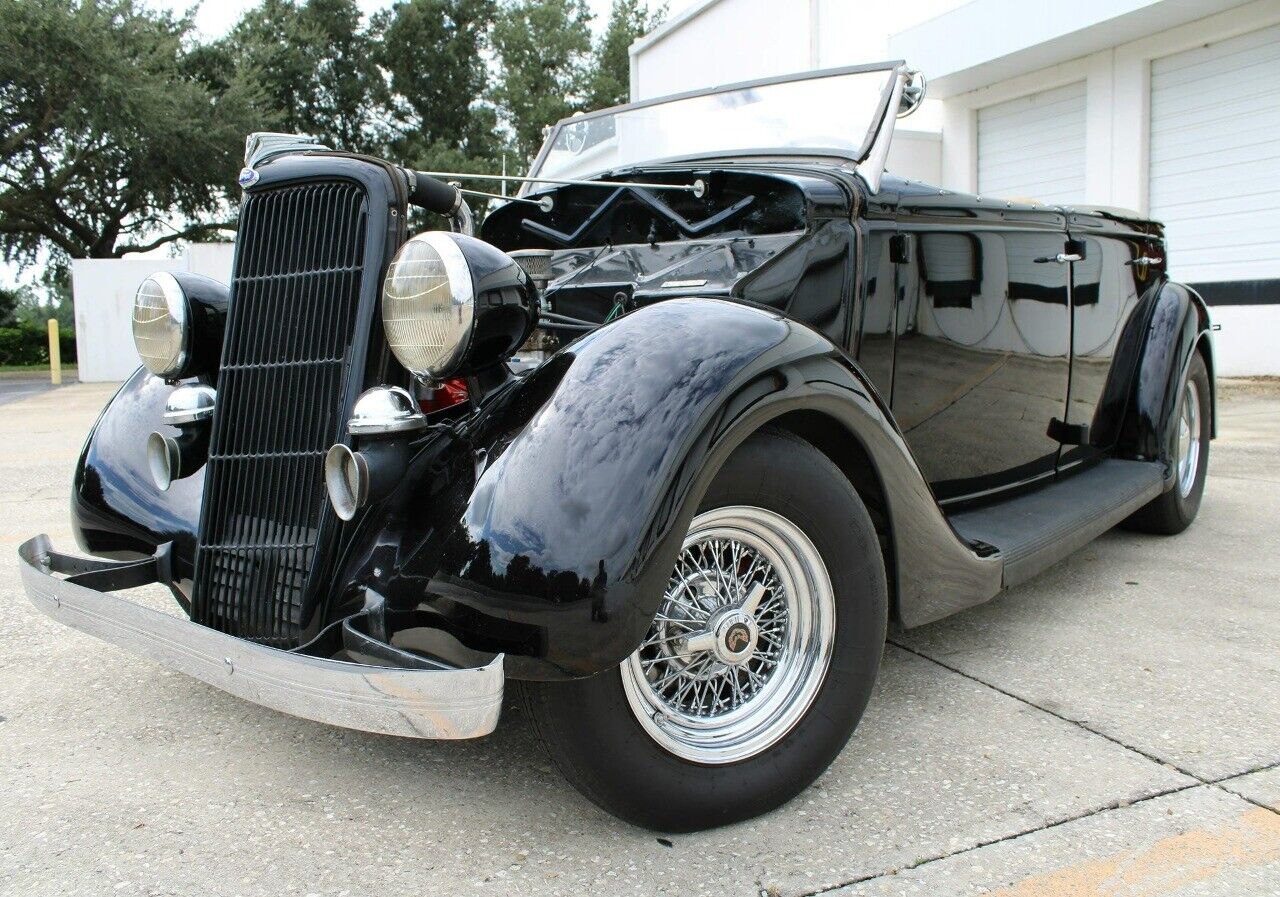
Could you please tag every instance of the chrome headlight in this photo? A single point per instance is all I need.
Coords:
(161, 324)
(428, 305)
(178, 321)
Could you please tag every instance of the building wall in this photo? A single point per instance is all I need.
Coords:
(103, 291)
(718, 42)
(723, 42)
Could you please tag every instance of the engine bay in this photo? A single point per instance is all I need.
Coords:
(602, 251)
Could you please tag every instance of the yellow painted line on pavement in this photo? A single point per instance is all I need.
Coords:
(1165, 867)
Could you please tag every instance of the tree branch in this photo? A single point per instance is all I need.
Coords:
(190, 233)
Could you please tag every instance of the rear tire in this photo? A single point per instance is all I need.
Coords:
(730, 740)
(1172, 512)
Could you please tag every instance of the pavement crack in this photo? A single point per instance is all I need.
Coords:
(1055, 714)
(1075, 817)
(1221, 785)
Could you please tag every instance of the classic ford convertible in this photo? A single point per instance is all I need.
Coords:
(706, 407)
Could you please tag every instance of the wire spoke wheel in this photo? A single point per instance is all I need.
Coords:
(1189, 438)
(741, 643)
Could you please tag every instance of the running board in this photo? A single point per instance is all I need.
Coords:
(1034, 531)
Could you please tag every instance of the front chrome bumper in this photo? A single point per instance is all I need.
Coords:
(417, 703)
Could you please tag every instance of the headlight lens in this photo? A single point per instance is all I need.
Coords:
(161, 328)
(428, 305)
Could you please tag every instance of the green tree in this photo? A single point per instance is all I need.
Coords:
(543, 53)
(609, 80)
(111, 138)
(315, 63)
(11, 300)
(433, 52)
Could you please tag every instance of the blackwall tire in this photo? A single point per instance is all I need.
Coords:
(1173, 511)
(779, 497)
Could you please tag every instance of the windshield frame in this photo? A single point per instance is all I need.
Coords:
(864, 150)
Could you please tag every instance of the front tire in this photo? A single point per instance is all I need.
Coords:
(759, 664)
(1173, 511)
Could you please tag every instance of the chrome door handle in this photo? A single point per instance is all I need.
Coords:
(1145, 261)
(1061, 258)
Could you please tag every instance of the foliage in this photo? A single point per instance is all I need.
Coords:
(609, 80)
(28, 344)
(10, 302)
(36, 309)
(110, 131)
(121, 131)
(315, 64)
(542, 48)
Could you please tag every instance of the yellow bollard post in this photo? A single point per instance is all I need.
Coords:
(55, 353)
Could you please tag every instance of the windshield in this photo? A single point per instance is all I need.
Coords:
(834, 113)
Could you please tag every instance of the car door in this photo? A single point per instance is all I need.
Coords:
(1121, 261)
(878, 292)
(981, 360)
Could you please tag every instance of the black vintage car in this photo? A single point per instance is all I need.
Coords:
(707, 407)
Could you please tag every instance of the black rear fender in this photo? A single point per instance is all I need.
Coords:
(1177, 328)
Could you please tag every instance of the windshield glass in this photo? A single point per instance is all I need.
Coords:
(832, 113)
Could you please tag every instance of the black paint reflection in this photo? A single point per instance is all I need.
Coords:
(571, 509)
(981, 360)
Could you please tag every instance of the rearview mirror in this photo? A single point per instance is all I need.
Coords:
(912, 93)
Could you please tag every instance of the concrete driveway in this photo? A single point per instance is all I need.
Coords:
(1111, 728)
(20, 386)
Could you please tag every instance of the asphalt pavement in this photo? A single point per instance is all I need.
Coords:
(1110, 728)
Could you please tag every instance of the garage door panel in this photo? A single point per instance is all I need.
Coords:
(1227, 205)
(1034, 146)
(1215, 157)
(1232, 162)
(1006, 147)
(1257, 138)
(1060, 160)
(1220, 230)
(1214, 57)
(1229, 94)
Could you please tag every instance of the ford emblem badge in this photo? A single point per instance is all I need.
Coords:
(248, 177)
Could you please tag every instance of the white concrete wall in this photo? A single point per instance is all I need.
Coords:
(1248, 345)
(721, 42)
(915, 154)
(103, 291)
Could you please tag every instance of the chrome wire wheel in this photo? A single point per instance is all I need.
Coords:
(741, 643)
(1189, 438)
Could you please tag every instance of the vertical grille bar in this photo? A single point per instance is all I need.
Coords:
(265, 525)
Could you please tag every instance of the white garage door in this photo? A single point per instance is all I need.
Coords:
(1033, 147)
(1215, 158)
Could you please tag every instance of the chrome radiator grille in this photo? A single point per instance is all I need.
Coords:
(266, 526)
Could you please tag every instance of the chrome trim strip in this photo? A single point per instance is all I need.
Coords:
(450, 704)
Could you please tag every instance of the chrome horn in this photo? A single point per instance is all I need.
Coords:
(383, 419)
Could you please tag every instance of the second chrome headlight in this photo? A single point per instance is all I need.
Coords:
(428, 305)
(178, 322)
(161, 325)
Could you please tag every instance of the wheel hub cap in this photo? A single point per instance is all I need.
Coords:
(736, 635)
(741, 643)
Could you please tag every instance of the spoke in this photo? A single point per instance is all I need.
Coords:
(753, 599)
(699, 642)
(665, 658)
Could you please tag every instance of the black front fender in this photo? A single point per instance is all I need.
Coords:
(594, 467)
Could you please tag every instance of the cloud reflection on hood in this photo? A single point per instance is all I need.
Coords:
(619, 417)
